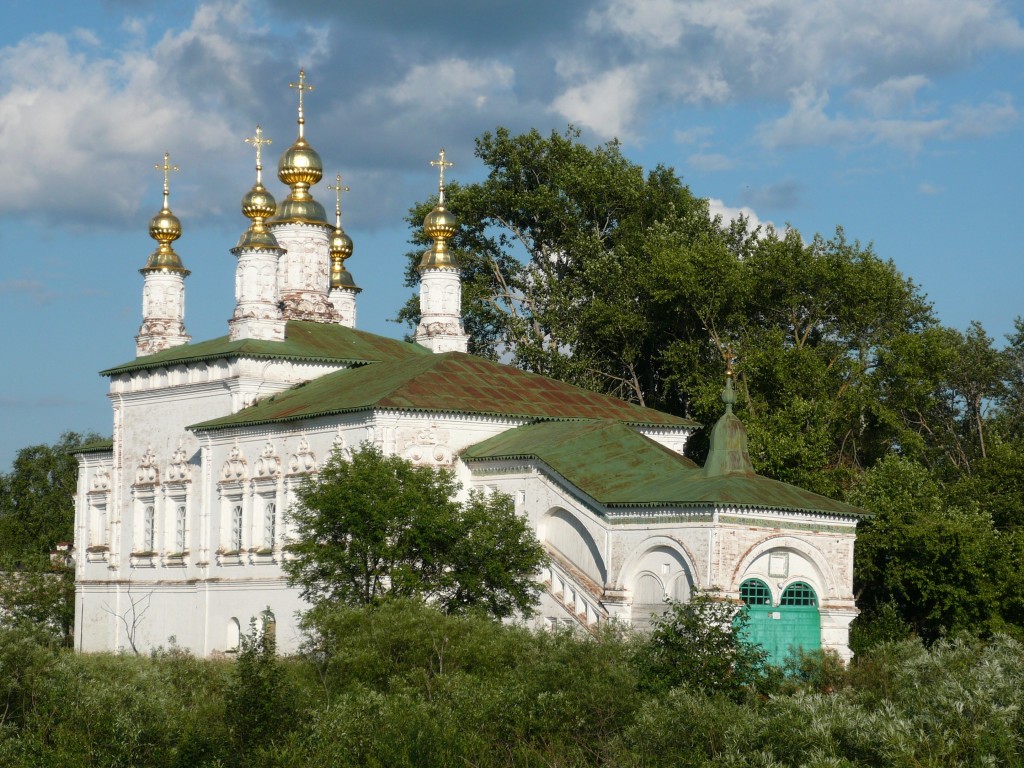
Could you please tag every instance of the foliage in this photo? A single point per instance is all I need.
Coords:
(259, 701)
(378, 526)
(38, 592)
(399, 684)
(702, 644)
(37, 497)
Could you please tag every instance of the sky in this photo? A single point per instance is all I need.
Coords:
(899, 121)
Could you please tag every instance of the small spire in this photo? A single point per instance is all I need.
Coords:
(442, 164)
(258, 141)
(728, 395)
(166, 168)
(302, 86)
(338, 189)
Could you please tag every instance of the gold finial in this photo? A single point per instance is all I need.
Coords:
(302, 86)
(728, 395)
(258, 141)
(442, 164)
(730, 358)
(166, 168)
(338, 189)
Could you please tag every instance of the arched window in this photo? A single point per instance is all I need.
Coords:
(234, 637)
(236, 528)
(755, 592)
(179, 529)
(149, 529)
(799, 593)
(269, 625)
(269, 525)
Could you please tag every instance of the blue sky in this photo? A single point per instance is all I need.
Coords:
(898, 121)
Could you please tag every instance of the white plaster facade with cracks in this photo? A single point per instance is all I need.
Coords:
(236, 485)
(440, 327)
(257, 312)
(163, 312)
(304, 270)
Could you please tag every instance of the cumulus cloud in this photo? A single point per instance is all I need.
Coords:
(606, 104)
(729, 213)
(880, 54)
(451, 82)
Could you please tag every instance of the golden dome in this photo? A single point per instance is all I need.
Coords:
(439, 223)
(258, 203)
(300, 165)
(165, 227)
(341, 244)
(341, 277)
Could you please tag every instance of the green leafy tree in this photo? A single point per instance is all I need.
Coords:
(702, 644)
(945, 568)
(379, 526)
(37, 507)
(38, 592)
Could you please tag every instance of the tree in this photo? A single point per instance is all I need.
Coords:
(37, 508)
(379, 526)
(38, 592)
(702, 644)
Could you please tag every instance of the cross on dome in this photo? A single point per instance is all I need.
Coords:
(338, 189)
(166, 168)
(301, 86)
(258, 141)
(442, 164)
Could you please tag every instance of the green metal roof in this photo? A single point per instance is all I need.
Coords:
(304, 341)
(96, 446)
(617, 466)
(453, 382)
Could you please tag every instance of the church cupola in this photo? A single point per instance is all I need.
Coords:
(728, 453)
(163, 287)
(301, 228)
(257, 305)
(343, 288)
(440, 328)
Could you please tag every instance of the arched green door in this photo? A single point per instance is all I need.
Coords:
(793, 624)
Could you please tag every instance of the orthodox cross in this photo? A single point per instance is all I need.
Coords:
(258, 142)
(302, 86)
(338, 189)
(442, 164)
(166, 168)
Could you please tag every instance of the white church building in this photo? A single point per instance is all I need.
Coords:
(181, 521)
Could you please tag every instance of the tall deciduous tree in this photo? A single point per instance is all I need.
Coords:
(37, 507)
(379, 526)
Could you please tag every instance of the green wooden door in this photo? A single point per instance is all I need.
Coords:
(781, 629)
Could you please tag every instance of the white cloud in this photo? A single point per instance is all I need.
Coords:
(606, 104)
(81, 127)
(809, 122)
(711, 161)
(927, 188)
(728, 213)
(452, 81)
(875, 55)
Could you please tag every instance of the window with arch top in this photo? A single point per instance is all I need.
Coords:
(755, 592)
(799, 593)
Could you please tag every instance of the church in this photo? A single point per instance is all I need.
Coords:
(181, 521)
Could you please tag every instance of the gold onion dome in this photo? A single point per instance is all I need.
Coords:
(341, 244)
(300, 168)
(258, 204)
(439, 225)
(165, 228)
